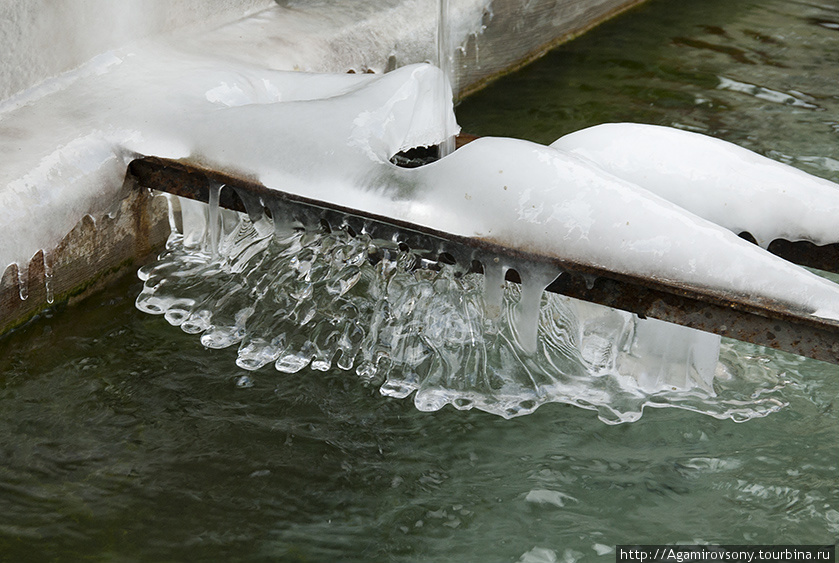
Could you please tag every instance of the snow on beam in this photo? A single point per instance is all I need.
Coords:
(732, 315)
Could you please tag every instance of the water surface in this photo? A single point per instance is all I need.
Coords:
(759, 74)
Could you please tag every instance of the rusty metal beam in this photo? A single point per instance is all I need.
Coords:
(740, 317)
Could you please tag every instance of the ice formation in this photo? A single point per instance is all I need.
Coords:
(318, 298)
(717, 180)
(323, 299)
(516, 193)
(449, 337)
(550, 201)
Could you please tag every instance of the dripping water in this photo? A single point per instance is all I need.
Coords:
(444, 62)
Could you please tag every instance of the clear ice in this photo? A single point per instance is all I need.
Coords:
(321, 297)
(298, 297)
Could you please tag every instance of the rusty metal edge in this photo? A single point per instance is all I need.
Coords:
(746, 319)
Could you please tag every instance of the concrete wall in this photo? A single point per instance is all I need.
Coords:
(93, 254)
(41, 38)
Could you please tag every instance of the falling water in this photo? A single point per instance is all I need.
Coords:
(444, 62)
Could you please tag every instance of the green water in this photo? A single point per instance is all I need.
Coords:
(762, 74)
(123, 440)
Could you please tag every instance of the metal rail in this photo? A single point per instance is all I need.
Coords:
(741, 317)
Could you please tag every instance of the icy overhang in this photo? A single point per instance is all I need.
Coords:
(64, 143)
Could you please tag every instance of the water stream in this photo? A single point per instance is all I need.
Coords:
(445, 54)
(125, 440)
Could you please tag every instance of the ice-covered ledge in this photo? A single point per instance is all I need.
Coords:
(43, 38)
(88, 235)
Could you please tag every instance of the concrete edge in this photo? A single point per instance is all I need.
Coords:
(92, 255)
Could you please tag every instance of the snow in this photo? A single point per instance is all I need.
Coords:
(152, 95)
(717, 180)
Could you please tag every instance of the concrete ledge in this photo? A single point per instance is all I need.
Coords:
(93, 254)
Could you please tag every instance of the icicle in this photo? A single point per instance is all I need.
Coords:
(494, 273)
(253, 205)
(534, 280)
(193, 222)
(23, 281)
(215, 229)
(48, 279)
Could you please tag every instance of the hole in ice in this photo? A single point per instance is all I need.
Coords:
(462, 403)
(416, 157)
(446, 258)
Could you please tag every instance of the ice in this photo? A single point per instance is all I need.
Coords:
(297, 297)
(84, 150)
(332, 37)
(525, 192)
(726, 184)
(367, 125)
(65, 142)
(684, 358)
(331, 137)
(655, 355)
(549, 201)
(546, 496)
(540, 555)
(321, 299)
